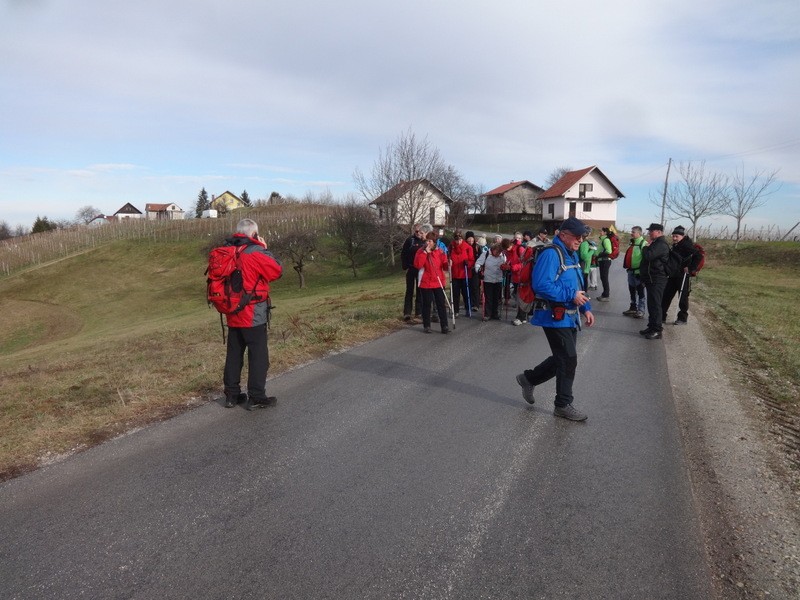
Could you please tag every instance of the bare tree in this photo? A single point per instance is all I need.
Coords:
(299, 247)
(697, 193)
(404, 161)
(5, 231)
(555, 175)
(87, 213)
(354, 223)
(746, 193)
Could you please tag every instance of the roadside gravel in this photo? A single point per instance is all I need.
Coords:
(745, 488)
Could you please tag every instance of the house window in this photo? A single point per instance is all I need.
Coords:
(583, 188)
(551, 209)
(587, 207)
(433, 215)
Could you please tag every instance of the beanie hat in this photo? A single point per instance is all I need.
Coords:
(679, 230)
(469, 234)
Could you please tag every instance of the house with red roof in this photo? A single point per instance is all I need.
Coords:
(586, 194)
(161, 212)
(417, 201)
(514, 197)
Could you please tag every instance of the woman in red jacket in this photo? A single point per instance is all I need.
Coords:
(462, 259)
(431, 263)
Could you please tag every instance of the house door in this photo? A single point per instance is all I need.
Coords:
(572, 207)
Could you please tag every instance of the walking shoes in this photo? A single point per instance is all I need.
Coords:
(254, 404)
(569, 412)
(527, 388)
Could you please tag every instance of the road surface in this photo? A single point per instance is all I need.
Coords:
(408, 467)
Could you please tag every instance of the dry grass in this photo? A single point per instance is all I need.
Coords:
(121, 336)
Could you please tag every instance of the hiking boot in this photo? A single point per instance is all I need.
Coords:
(603, 299)
(639, 315)
(653, 335)
(446, 330)
(484, 319)
(406, 318)
(254, 404)
(231, 400)
(630, 312)
(427, 330)
(645, 331)
(517, 322)
(569, 412)
(679, 322)
(527, 388)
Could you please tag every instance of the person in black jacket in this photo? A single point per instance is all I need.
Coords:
(654, 275)
(683, 261)
(413, 298)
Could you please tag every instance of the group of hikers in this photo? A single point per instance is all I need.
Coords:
(549, 282)
(548, 279)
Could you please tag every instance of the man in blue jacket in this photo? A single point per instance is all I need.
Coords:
(558, 283)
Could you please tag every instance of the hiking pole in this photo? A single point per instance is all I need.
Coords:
(683, 283)
(506, 290)
(483, 300)
(449, 306)
(452, 304)
(466, 280)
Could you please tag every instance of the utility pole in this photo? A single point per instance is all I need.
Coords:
(664, 195)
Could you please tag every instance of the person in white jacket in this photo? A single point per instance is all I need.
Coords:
(489, 264)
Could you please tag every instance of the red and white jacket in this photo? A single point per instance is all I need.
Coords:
(434, 264)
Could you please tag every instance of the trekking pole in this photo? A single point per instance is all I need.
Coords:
(466, 280)
(506, 290)
(449, 306)
(683, 283)
(483, 299)
(452, 304)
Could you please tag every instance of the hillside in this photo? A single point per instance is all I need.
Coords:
(119, 335)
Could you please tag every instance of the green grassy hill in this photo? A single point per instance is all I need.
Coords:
(120, 335)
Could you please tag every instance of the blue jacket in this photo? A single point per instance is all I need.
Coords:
(554, 287)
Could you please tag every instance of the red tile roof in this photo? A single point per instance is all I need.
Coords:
(560, 187)
(498, 191)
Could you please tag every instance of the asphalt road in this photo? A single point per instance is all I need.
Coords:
(409, 467)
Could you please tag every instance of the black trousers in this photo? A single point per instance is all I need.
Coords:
(491, 298)
(655, 296)
(674, 287)
(413, 297)
(254, 340)
(475, 289)
(562, 364)
(429, 297)
(605, 266)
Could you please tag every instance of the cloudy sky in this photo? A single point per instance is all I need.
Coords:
(103, 103)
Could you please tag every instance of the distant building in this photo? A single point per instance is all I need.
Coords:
(129, 211)
(586, 194)
(514, 197)
(166, 212)
(226, 202)
(417, 201)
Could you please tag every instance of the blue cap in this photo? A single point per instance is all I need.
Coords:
(574, 226)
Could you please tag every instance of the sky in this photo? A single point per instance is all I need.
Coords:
(104, 103)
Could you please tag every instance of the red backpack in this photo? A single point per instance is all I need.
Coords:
(614, 246)
(225, 289)
(701, 263)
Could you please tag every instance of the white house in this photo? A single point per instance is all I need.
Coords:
(163, 212)
(417, 201)
(129, 211)
(586, 194)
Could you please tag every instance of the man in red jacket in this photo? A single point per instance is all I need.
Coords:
(247, 329)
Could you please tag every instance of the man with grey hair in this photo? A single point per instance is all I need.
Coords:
(247, 328)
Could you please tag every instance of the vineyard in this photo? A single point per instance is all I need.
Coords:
(274, 222)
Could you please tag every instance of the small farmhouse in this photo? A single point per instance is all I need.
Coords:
(226, 202)
(514, 197)
(129, 211)
(586, 194)
(161, 212)
(417, 201)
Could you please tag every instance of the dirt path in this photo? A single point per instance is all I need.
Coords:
(744, 485)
